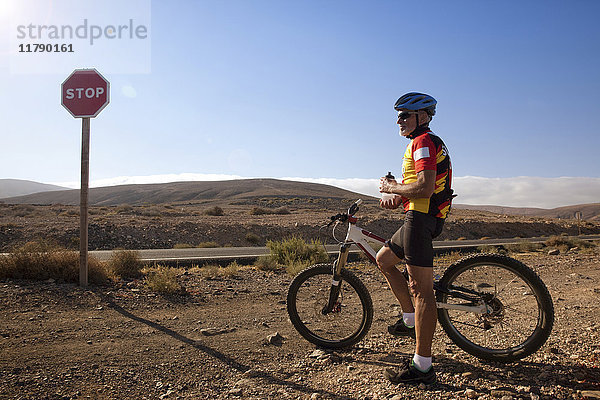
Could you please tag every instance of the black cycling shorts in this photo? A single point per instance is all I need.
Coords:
(413, 242)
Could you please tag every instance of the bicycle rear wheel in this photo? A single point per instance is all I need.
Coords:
(346, 324)
(520, 311)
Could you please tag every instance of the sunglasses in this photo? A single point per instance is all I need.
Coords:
(404, 115)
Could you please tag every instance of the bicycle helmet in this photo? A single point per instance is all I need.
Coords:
(416, 101)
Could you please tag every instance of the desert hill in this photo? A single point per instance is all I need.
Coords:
(19, 187)
(590, 212)
(271, 192)
(245, 191)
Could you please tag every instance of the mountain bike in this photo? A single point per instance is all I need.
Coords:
(490, 305)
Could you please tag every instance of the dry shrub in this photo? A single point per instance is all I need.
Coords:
(259, 211)
(124, 209)
(214, 211)
(523, 247)
(41, 260)
(213, 271)
(296, 254)
(125, 264)
(564, 243)
(151, 211)
(489, 248)
(162, 280)
(267, 211)
(23, 210)
(205, 245)
(266, 263)
(252, 238)
(446, 259)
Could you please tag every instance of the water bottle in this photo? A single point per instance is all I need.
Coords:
(388, 196)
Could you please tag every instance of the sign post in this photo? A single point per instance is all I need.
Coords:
(84, 94)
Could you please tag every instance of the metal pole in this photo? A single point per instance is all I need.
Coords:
(83, 202)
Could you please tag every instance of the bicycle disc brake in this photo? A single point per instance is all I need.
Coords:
(496, 315)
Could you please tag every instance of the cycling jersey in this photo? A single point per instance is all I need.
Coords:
(428, 152)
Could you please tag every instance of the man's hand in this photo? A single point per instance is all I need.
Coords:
(386, 185)
(392, 203)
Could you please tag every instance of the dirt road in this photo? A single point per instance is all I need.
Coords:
(58, 341)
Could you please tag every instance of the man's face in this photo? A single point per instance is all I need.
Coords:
(407, 120)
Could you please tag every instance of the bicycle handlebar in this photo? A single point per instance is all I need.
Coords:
(344, 217)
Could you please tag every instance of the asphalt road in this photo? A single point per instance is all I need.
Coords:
(225, 254)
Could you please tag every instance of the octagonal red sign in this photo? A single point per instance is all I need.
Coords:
(85, 93)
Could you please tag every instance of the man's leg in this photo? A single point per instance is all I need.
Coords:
(387, 261)
(421, 286)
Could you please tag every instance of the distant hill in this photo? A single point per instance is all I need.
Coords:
(19, 187)
(590, 212)
(249, 191)
(232, 191)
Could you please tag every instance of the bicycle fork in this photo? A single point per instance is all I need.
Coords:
(336, 283)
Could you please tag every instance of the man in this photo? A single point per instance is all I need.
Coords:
(425, 195)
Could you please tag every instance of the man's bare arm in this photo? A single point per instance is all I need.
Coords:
(423, 187)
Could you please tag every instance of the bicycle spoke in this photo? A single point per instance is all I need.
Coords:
(517, 311)
(504, 288)
(343, 321)
(513, 308)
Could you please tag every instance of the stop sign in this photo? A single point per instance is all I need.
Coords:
(85, 93)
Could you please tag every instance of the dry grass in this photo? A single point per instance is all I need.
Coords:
(295, 254)
(217, 272)
(41, 261)
(204, 245)
(125, 264)
(564, 243)
(266, 263)
(446, 259)
(162, 280)
(524, 247)
(267, 211)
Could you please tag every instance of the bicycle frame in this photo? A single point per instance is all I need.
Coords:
(361, 237)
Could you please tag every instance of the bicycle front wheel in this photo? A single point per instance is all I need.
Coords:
(349, 320)
(519, 314)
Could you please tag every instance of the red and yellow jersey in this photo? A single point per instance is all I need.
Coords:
(428, 152)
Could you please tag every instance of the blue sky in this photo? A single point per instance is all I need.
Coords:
(305, 90)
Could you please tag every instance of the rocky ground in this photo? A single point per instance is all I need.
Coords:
(168, 225)
(58, 341)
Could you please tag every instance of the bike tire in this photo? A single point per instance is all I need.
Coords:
(517, 290)
(308, 294)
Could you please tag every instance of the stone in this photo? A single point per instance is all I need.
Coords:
(317, 353)
(275, 339)
(209, 331)
(471, 394)
(554, 252)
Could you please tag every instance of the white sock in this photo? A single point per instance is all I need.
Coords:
(422, 363)
(409, 319)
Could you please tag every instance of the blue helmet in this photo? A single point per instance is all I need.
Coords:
(416, 101)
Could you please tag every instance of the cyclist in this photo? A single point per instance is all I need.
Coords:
(425, 196)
